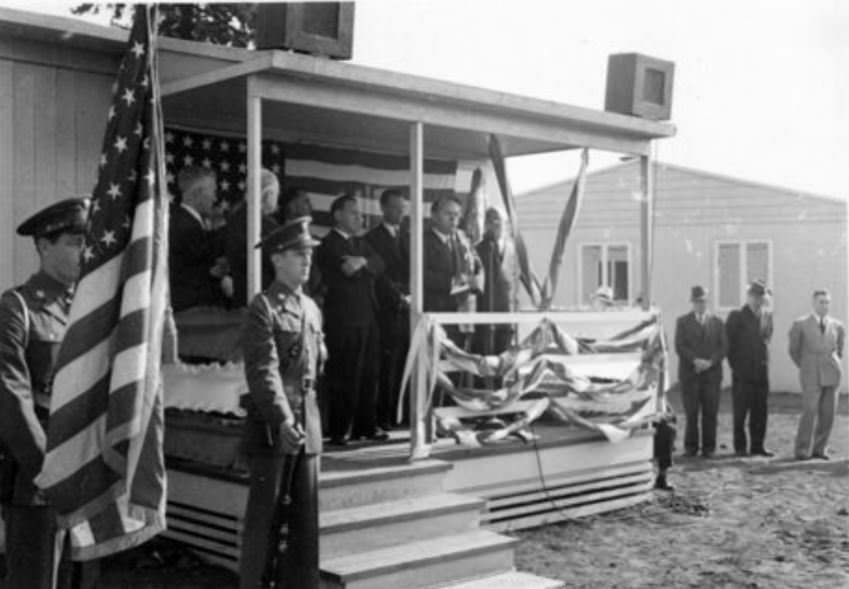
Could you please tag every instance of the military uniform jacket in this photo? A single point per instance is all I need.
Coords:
(284, 353)
(817, 352)
(29, 343)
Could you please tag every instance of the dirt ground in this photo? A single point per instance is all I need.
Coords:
(754, 523)
(731, 522)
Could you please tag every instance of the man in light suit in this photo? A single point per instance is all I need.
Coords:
(816, 347)
(701, 345)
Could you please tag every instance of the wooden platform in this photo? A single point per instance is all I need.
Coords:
(565, 473)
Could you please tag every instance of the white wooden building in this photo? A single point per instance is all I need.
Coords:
(709, 229)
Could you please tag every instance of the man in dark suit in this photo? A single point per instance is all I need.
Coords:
(196, 265)
(33, 320)
(393, 290)
(749, 332)
(284, 353)
(452, 269)
(236, 238)
(500, 288)
(701, 346)
(349, 267)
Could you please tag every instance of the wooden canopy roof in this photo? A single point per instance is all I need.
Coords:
(319, 100)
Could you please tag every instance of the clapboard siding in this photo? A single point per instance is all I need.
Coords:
(683, 196)
(695, 211)
(51, 122)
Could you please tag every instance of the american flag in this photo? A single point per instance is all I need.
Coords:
(104, 469)
(324, 172)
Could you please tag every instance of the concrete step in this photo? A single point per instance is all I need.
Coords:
(426, 563)
(369, 527)
(354, 486)
(511, 580)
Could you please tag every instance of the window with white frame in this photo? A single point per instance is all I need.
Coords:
(737, 264)
(606, 264)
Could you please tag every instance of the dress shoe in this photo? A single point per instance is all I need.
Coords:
(378, 436)
(338, 442)
(691, 453)
(762, 452)
(741, 453)
(661, 484)
(820, 456)
(802, 457)
(707, 453)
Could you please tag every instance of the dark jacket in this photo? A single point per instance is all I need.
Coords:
(501, 276)
(284, 354)
(693, 340)
(349, 301)
(235, 243)
(192, 251)
(748, 341)
(27, 364)
(440, 267)
(394, 283)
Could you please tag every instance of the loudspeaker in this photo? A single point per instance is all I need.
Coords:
(639, 85)
(317, 28)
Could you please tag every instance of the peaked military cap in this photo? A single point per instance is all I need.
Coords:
(69, 215)
(294, 234)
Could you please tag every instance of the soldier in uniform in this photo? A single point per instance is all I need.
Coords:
(33, 319)
(284, 353)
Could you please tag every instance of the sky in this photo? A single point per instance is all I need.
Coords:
(761, 87)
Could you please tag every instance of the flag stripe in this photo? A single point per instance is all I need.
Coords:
(369, 159)
(79, 413)
(98, 323)
(358, 174)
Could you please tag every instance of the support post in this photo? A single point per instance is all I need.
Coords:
(254, 192)
(646, 227)
(419, 421)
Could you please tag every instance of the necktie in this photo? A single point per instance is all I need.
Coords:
(822, 324)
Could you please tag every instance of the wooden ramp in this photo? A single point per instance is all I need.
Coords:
(385, 526)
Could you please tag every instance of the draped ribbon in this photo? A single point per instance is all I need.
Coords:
(537, 369)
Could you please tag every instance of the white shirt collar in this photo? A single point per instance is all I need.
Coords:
(392, 229)
(193, 212)
(342, 233)
(442, 237)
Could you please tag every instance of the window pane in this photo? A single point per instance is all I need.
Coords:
(757, 262)
(591, 269)
(617, 264)
(728, 263)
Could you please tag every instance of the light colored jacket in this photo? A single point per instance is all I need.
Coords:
(817, 353)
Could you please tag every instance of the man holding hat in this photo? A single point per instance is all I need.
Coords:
(701, 346)
(749, 331)
(284, 354)
(33, 320)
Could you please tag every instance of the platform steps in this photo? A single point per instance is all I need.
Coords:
(394, 527)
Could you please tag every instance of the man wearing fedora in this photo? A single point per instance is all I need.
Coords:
(816, 347)
(749, 331)
(700, 344)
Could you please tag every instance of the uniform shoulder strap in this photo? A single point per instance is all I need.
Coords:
(25, 311)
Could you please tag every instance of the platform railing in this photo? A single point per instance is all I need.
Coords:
(584, 324)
